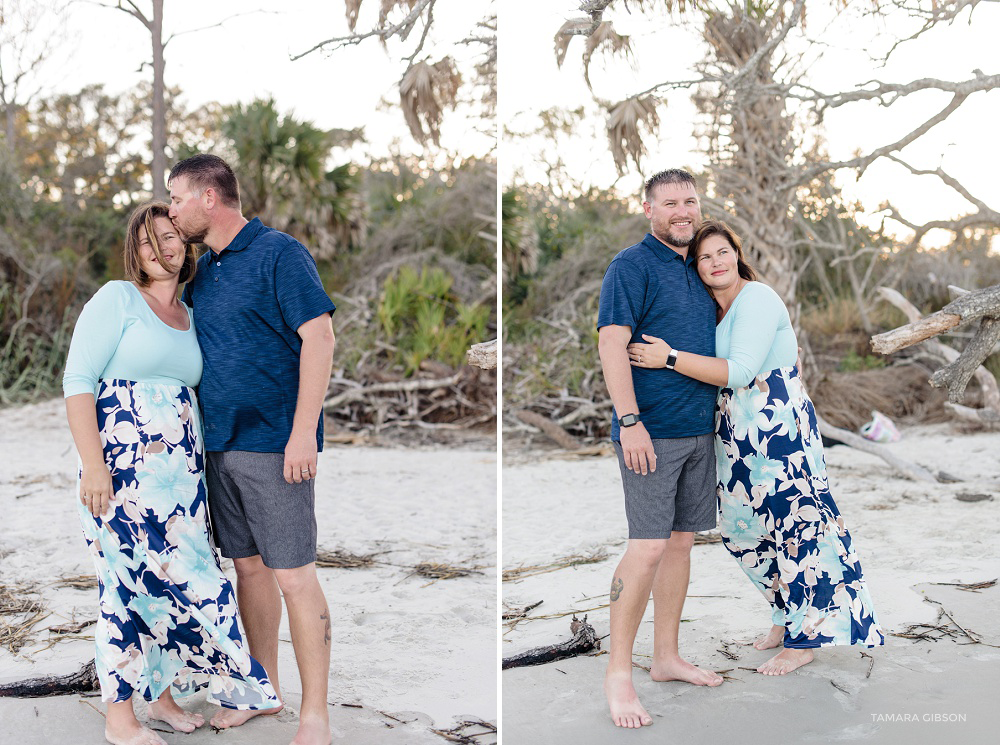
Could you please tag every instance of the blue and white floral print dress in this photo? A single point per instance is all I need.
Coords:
(778, 518)
(168, 614)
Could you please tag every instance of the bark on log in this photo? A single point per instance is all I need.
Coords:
(914, 333)
(83, 680)
(552, 430)
(584, 640)
(483, 356)
(956, 376)
(904, 467)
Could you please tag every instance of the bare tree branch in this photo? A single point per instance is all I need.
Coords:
(383, 33)
(216, 25)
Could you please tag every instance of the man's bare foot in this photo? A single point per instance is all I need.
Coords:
(131, 734)
(785, 661)
(313, 731)
(772, 639)
(226, 718)
(166, 710)
(678, 669)
(626, 711)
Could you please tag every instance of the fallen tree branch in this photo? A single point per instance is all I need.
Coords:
(980, 304)
(990, 411)
(904, 467)
(83, 680)
(552, 430)
(355, 394)
(483, 356)
(584, 640)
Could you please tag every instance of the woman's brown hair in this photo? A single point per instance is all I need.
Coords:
(144, 216)
(717, 227)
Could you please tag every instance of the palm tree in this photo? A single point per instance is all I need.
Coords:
(282, 167)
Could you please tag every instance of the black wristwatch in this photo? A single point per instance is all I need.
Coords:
(671, 359)
(629, 420)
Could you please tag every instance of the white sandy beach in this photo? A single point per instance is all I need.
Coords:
(908, 535)
(409, 654)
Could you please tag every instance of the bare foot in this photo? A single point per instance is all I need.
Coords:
(772, 639)
(678, 669)
(131, 734)
(785, 661)
(313, 731)
(626, 711)
(226, 718)
(166, 710)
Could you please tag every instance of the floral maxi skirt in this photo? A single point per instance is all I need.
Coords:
(780, 522)
(168, 614)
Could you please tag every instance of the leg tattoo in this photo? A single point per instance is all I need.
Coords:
(326, 633)
(616, 589)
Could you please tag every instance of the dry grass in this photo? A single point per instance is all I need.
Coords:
(18, 601)
(436, 571)
(341, 559)
(569, 561)
(78, 582)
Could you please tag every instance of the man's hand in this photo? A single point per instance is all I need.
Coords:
(300, 458)
(638, 449)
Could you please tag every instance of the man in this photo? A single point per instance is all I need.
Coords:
(662, 431)
(264, 324)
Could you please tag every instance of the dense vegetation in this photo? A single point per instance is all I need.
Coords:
(408, 254)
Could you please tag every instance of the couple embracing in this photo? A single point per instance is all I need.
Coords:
(698, 357)
(254, 335)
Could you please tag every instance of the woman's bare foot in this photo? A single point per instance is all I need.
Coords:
(626, 711)
(785, 661)
(122, 728)
(678, 669)
(165, 709)
(313, 731)
(226, 718)
(134, 734)
(772, 639)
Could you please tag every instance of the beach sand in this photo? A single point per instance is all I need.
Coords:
(908, 535)
(409, 654)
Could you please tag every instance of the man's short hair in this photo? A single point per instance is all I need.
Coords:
(669, 176)
(209, 172)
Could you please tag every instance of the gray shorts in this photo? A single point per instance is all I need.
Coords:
(678, 495)
(254, 511)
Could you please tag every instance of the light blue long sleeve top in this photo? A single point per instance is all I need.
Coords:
(119, 337)
(755, 335)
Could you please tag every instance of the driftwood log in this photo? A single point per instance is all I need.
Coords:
(551, 429)
(584, 640)
(990, 411)
(902, 466)
(483, 356)
(982, 305)
(83, 680)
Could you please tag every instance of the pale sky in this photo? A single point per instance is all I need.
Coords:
(248, 57)
(530, 81)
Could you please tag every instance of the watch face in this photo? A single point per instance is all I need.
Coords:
(628, 420)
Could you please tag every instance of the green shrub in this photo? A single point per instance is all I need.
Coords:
(423, 320)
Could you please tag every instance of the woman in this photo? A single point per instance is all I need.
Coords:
(777, 516)
(168, 613)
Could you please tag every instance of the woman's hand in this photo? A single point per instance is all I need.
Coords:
(653, 354)
(96, 489)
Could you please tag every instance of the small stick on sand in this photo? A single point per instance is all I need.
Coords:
(584, 640)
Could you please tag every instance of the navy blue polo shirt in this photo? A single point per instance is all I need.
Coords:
(653, 290)
(248, 301)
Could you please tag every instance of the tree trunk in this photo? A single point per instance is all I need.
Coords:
(159, 165)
